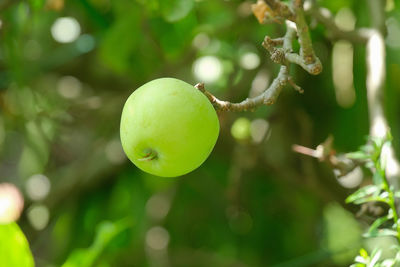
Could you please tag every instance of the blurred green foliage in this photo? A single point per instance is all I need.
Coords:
(14, 247)
(254, 202)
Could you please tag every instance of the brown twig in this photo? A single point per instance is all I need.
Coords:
(373, 38)
(267, 11)
(281, 52)
(325, 153)
(306, 50)
(269, 96)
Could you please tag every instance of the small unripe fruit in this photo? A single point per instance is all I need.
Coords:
(168, 127)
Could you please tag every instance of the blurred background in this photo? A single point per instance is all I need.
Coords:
(66, 69)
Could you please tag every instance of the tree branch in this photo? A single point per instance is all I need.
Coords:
(269, 96)
(284, 55)
(325, 153)
(376, 68)
(271, 11)
(306, 49)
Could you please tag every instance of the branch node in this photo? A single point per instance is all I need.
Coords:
(278, 56)
(280, 50)
(295, 86)
(271, 11)
(200, 86)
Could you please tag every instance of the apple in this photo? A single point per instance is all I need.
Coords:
(168, 127)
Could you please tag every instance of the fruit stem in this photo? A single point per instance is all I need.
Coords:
(150, 155)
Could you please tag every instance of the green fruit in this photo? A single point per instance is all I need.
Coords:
(168, 127)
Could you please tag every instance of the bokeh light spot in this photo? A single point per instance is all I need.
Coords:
(207, 69)
(342, 61)
(260, 83)
(244, 9)
(38, 216)
(351, 179)
(201, 41)
(157, 238)
(393, 36)
(157, 207)
(114, 152)
(249, 61)
(258, 130)
(85, 43)
(69, 87)
(241, 129)
(37, 187)
(94, 102)
(65, 30)
(11, 203)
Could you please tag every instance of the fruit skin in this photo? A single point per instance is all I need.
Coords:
(168, 127)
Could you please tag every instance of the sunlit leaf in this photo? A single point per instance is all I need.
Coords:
(388, 263)
(377, 178)
(381, 232)
(14, 248)
(357, 155)
(376, 255)
(363, 253)
(106, 232)
(371, 199)
(342, 233)
(174, 10)
(363, 192)
(360, 259)
(378, 222)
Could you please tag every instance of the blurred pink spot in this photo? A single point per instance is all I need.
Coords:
(11, 203)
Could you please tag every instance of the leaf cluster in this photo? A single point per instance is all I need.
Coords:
(373, 157)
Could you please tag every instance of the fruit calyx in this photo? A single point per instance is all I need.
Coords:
(150, 154)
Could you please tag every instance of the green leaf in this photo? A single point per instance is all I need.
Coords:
(106, 232)
(357, 155)
(377, 178)
(397, 194)
(121, 41)
(378, 222)
(389, 136)
(341, 233)
(363, 192)
(384, 155)
(397, 257)
(371, 199)
(174, 10)
(378, 142)
(367, 149)
(376, 255)
(360, 259)
(381, 232)
(14, 248)
(363, 253)
(388, 263)
(150, 5)
(37, 4)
